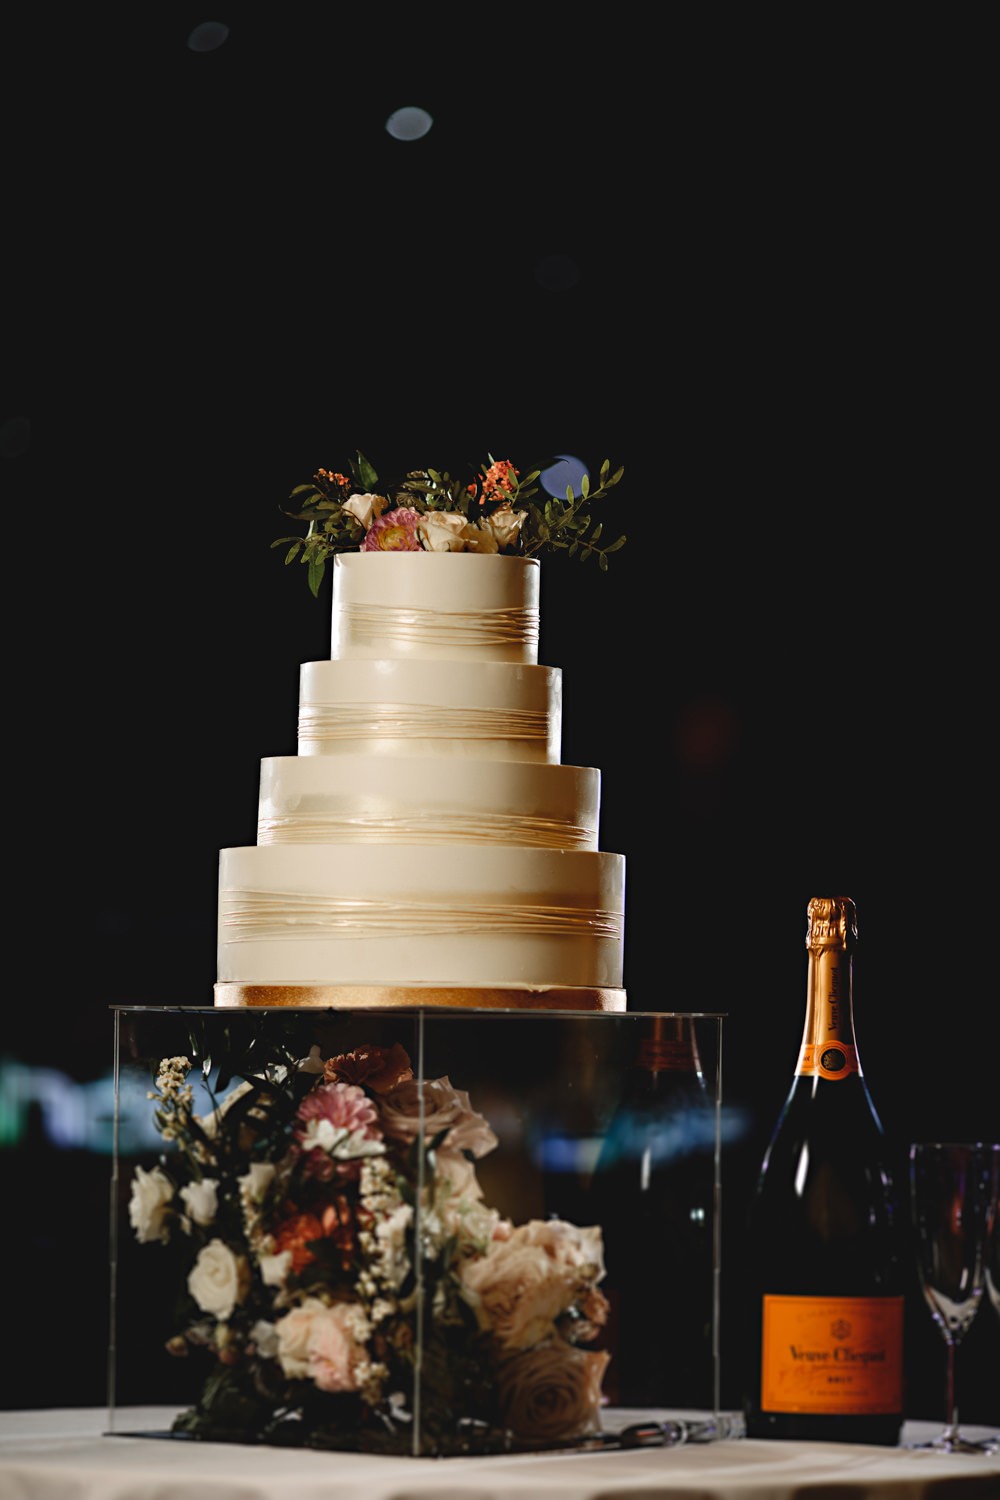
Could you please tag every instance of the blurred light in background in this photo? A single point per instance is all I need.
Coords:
(409, 123)
(75, 1116)
(207, 36)
(566, 470)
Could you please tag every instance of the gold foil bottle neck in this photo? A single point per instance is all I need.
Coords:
(832, 922)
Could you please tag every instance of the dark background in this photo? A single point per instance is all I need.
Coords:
(743, 255)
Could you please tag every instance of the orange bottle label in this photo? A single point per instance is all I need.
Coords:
(832, 1355)
(828, 1060)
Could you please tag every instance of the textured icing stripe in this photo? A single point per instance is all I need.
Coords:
(349, 721)
(428, 828)
(266, 915)
(434, 627)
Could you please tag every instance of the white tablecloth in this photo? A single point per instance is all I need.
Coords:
(69, 1455)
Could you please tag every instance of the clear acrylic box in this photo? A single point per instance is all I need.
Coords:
(418, 1231)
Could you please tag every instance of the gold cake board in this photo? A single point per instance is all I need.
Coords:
(387, 997)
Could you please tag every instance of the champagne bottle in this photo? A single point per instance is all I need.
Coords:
(824, 1285)
(654, 1197)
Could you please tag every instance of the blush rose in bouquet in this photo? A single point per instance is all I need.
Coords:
(345, 1281)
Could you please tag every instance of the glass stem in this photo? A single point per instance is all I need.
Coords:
(951, 1406)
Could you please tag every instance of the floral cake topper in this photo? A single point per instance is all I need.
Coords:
(493, 510)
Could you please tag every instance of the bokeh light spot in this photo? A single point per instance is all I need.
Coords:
(207, 36)
(409, 123)
(706, 733)
(566, 470)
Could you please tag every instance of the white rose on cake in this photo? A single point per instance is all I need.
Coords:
(505, 524)
(365, 507)
(449, 531)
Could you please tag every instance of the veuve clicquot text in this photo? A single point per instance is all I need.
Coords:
(824, 1280)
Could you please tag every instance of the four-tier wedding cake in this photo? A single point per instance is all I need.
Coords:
(426, 845)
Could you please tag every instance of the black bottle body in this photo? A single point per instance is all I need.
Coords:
(653, 1193)
(824, 1225)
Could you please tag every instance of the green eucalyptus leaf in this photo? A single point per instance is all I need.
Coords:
(317, 568)
(365, 474)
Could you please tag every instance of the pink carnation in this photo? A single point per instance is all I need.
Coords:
(396, 531)
(336, 1127)
(344, 1105)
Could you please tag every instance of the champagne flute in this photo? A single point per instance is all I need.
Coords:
(993, 1255)
(953, 1196)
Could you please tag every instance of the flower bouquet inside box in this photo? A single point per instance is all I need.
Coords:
(342, 1280)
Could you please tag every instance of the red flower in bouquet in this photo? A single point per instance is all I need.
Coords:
(378, 1068)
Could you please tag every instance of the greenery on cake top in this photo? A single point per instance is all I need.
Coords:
(494, 509)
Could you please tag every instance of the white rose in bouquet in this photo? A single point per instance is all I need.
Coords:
(151, 1195)
(219, 1280)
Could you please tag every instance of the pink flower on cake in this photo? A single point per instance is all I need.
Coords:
(436, 1106)
(396, 531)
(552, 1391)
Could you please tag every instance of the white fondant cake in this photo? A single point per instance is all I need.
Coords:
(426, 837)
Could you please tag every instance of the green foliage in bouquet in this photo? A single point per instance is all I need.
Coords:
(428, 510)
(344, 1282)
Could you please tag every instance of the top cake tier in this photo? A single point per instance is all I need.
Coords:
(435, 607)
